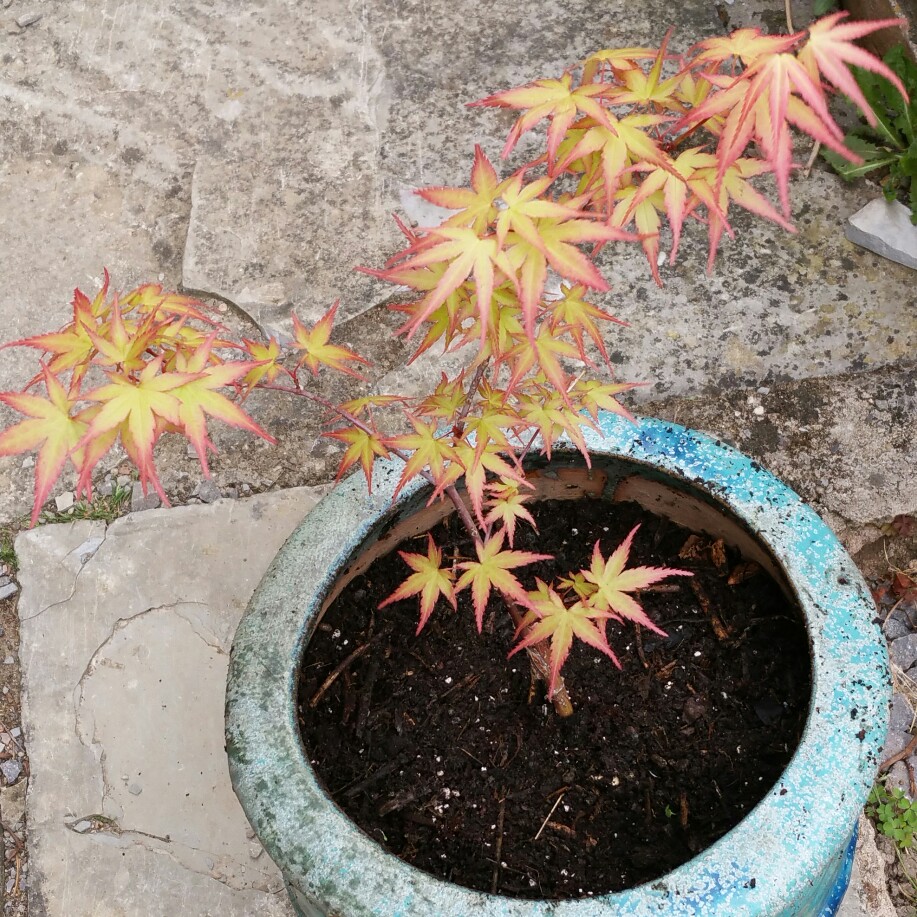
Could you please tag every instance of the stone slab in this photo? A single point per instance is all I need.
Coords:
(125, 634)
(868, 893)
(885, 227)
(844, 443)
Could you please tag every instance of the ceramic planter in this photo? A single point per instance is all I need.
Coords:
(789, 856)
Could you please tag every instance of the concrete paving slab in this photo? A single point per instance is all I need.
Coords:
(125, 634)
(844, 443)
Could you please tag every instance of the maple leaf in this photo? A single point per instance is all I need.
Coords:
(545, 351)
(365, 404)
(558, 240)
(313, 342)
(492, 571)
(645, 89)
(578, 584)
(429, 580)
(140, 405)
(491, 426)
(748, 45)
(152, 298)
(618, 144)
(616, 59)
(466, 254)
(50, 428)
(198, 399)
(830, 49)
(362, 446)
(477, 204)
(545, 412)
(733, 188)
(428, 450)
(477, 463)
(646, 216)
(266, 359)
(676, 195)
(554, 99)
(550, 618)
(123, 345)
(506, 507)
(524, 204)
(594, 396)
(613, 582)
(447, 399)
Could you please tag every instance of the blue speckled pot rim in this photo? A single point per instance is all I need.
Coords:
(787, 844)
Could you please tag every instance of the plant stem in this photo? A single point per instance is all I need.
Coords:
(538, 655)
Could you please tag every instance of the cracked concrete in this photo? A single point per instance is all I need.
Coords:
(124, 645)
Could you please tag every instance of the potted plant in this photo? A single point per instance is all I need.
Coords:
(506, 275)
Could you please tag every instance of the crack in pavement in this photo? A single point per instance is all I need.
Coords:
(85, 559)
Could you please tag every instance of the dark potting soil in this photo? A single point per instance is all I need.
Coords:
(439, 749)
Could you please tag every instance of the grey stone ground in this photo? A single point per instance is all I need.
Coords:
(125, 638)
(253, 153)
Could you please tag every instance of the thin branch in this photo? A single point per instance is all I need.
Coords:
(888, 763)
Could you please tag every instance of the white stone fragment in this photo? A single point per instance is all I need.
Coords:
(64, 501)
(885, 227)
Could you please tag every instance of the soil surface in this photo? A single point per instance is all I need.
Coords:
(439, 748)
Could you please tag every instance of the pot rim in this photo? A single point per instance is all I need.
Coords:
(816, 800)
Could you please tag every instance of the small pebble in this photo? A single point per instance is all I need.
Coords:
(758, 411)
(81, 827)
(8, 660)
(64, 501)
(27, 19)
(11, 770)
(8, 590)
(15, 732)
(135, 789)
(207, 492)
(141, 501)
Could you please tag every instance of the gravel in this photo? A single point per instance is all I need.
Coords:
(11, 770)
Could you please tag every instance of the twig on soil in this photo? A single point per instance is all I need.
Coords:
(337, 672)
(404, 799)
(498, 851)
(548, 816)
(638, 636)
(894, 759)
(562, 829)
(719, 628)
(12, 834)
(366, 696)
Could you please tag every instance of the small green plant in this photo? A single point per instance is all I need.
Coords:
(7, 552)
(890, 145)
(894, 814)
(101, 508)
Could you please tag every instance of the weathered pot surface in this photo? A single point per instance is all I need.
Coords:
(789, 856)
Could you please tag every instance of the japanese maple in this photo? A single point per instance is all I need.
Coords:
(636, 138)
